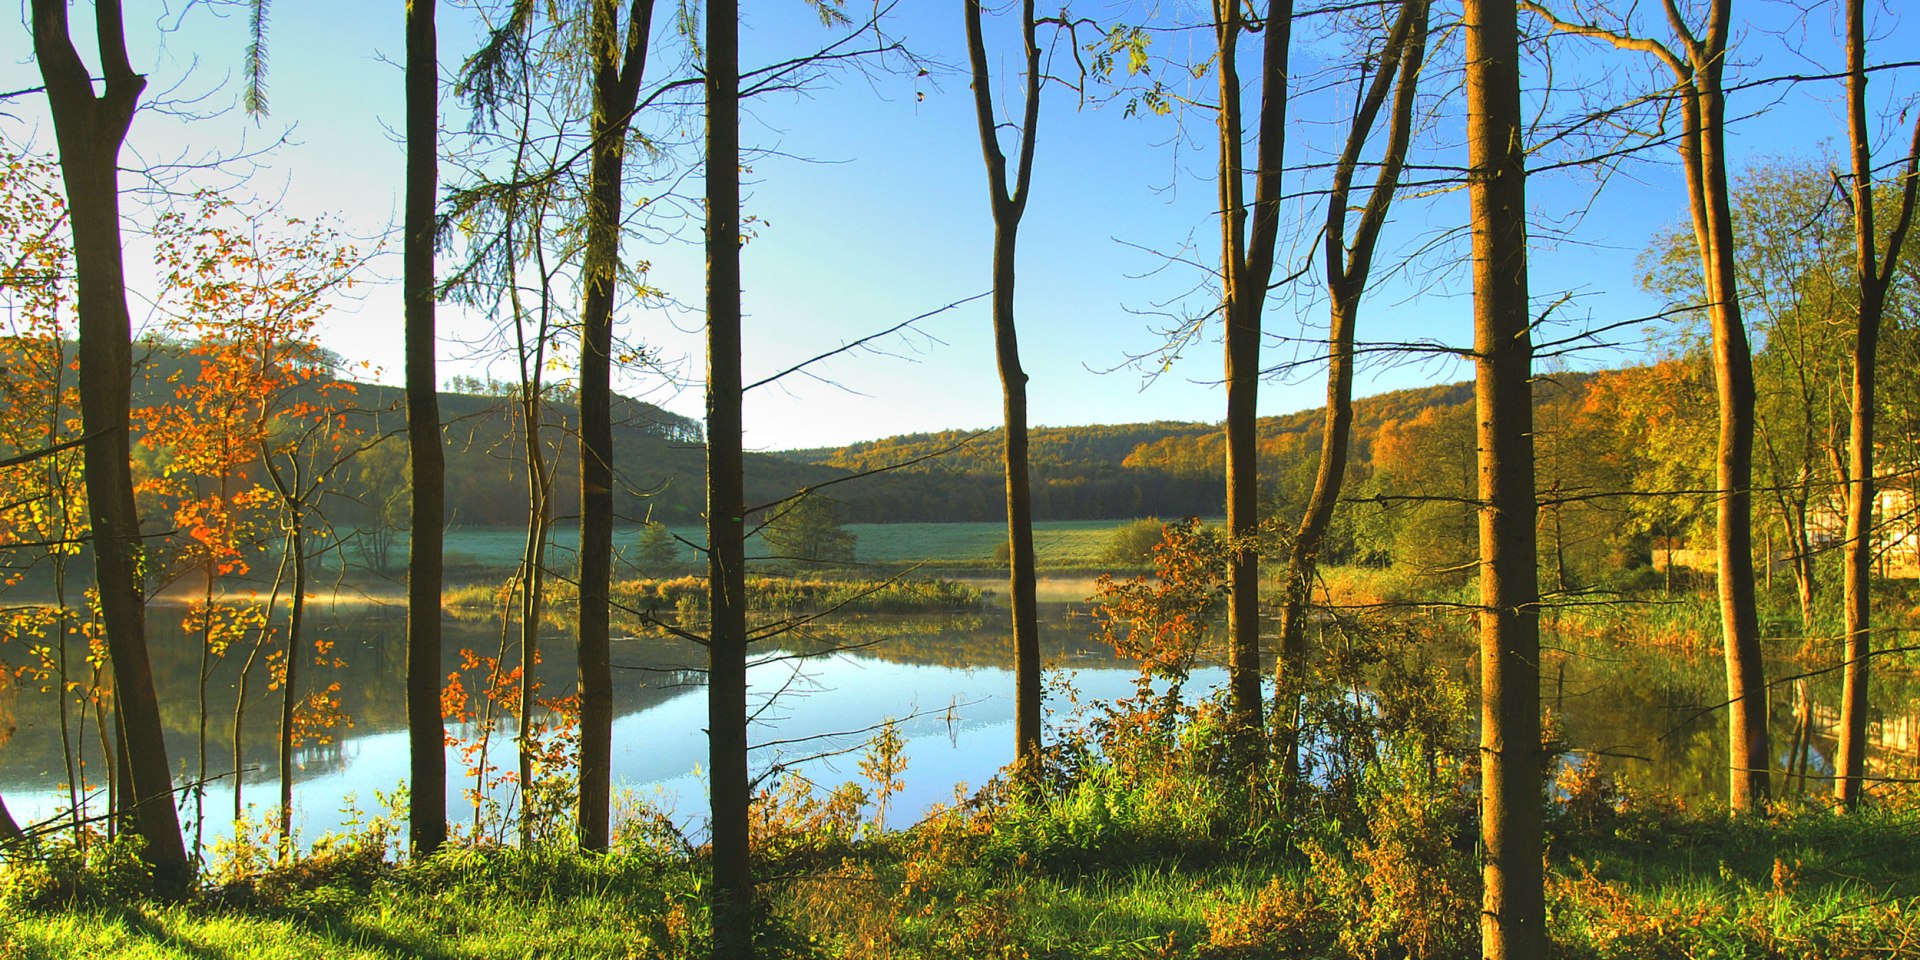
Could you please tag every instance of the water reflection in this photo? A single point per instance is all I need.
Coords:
(1649, 714)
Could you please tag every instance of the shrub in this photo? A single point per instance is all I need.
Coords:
(1131, 545)
(104, 871)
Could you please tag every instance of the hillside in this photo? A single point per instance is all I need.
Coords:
(660, 459)
(1163, 468)
(1099, 472)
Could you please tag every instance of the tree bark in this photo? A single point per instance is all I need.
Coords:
(732, 905)
(289, 696)
(426, 732)
(1875, 274)
(1347, 274)
(1749, 762)
(90, 130)
(1247, 265)
(617, 70)
(1697, 71)
(12, 838)
(1008, 205)
(1513, 914)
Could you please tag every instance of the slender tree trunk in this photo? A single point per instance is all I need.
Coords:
(1247, 262)
(726, 506)
(532, 583)
(1749, 762)
(1009, 204)
(1347, 275)
(289, 687)
(1513, 914)
(426, 733)
(616, 84)
(240, 690)
(123, 802)
(1698, 68)
(89, 130)
(1875, 275)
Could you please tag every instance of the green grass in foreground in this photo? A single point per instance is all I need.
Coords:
(1066, 879)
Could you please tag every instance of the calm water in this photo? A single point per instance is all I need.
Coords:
(947, 679)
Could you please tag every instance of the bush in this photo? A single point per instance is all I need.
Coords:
(1132, 545)
(104, 872)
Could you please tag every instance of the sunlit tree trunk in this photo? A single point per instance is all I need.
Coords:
(289, 683)
(1875, 274)
(1698, 68)
(1705, 151)
(1008, 205)
(1247, 244)
(1513, 914)
(426, 733)
(89, 130)
(732, 897)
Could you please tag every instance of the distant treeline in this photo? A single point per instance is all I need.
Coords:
(1100, 472)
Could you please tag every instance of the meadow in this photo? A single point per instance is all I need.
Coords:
(1061, 545)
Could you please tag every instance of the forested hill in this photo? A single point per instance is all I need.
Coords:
(1164, 468)
(660, 459)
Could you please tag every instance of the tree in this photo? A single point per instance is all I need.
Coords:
(1248, 233)
(657, 553)
(1348, 268)
(1874, 269)
(506, 225)
(617, 69)
(807, 529)
(1792, 240)
(732, 897)
(615, 61)
(1008, 203)
(242, 293)
(1647, 417)
(89, 130)
(41, 430)
(426, 733)
(1513, 912)
(1698, 68)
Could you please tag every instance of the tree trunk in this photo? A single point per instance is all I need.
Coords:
(289, 697)
(1697, 71)
(1748, 761)
(732, 905)
(240, 690)
(12, 838)
(1347, 274)
(1875, 275)
(616, 84)
(1247, 264)
(90, 131)
(426, 732)
(533, 561)
(1513, 914)
(1009, 204)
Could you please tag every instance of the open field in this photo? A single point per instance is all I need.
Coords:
(1060, 544)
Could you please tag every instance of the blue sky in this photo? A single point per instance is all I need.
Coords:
(875, 210)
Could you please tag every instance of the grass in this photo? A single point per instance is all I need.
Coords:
(1072, 545)
(1653, 883)
(1058, 544)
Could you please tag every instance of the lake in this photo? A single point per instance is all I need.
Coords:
(946, 679)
